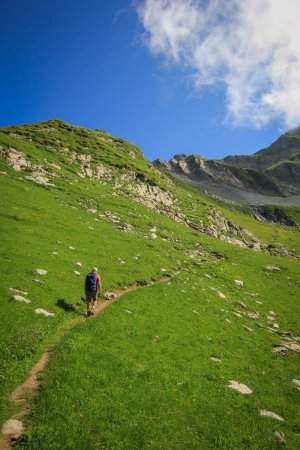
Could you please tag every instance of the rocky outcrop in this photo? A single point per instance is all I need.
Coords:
(271, 172)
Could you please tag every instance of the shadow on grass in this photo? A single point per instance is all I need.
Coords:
(61, 302)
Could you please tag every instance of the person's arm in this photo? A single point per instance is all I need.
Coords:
(99, 284)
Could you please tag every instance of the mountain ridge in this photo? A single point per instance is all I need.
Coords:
(270, 172)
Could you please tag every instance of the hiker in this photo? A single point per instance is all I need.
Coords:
(93, 288)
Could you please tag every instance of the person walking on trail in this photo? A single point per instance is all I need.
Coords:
(93, 288)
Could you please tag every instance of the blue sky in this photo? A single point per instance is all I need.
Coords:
(96, 63)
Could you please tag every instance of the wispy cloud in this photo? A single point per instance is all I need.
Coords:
(249, 48)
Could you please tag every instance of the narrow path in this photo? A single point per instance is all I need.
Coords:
(20, 395)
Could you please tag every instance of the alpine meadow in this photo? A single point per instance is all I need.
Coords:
(195, 341)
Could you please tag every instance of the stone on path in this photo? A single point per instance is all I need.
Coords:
(110, 295)
(19, 298)
(43, 312)
(279, 436)
(242, 388)
(13, 427)
(296, 382)
(41, 271)
(239, 282)
(265, 413)
(18, 291)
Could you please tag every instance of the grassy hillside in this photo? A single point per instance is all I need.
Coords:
(143, 378)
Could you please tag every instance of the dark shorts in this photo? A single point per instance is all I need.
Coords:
(91, 296)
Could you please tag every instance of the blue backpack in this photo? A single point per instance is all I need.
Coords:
(91, 282)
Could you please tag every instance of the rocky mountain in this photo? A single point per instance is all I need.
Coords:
(271, 172)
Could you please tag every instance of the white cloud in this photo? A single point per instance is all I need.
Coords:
(250, 48)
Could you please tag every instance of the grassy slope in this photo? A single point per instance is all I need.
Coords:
(154, 393)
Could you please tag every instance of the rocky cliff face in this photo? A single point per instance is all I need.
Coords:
(271, 172)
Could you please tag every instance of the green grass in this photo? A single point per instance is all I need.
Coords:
(111, 382)
(145, 380)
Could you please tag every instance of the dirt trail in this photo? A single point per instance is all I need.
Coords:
(20, 395)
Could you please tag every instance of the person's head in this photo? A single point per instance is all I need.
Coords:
(94, 270)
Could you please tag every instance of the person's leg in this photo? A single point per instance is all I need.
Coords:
(88, 303)
(94, 303)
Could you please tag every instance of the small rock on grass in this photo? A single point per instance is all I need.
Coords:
(254, 315)
(241, 304)
(127, 311)
(76, 272)
(18, 291)
(279, 436)
(239, 282)
(242, 388)
(195, 312)
(41, 271)
(13, 427)
(265, 413)
(296, 382)
(43, 312)
(212, 358)
(247, 328)
(294, 347)
(272, 268)
(280, 349)
(19, 298)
